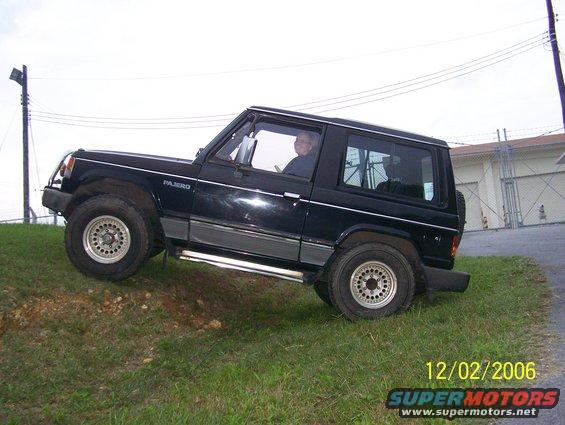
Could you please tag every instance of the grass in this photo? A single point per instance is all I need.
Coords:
(196, 344)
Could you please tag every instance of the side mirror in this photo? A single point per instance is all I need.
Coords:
(246, 151)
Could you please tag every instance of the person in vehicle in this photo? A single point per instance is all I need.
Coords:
(305, 146)
(404, 182)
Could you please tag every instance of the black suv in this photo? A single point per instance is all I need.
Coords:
(363, 213)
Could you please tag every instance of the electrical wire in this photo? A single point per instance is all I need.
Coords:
(229, 116)
(127, 128)
(45, 115)
(36, 163)
(34, 155)
(422, 87)
(530, 139)
(117, 122)
(281, 67)
(8, 128)
(33, 100)
(491, 164)
(523, 132)
(60, 120)
(448, 70)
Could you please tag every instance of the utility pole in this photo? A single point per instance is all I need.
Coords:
(556, 60)
(25, 116)
(20, 77)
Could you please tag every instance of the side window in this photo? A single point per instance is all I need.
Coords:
(280, 148)
(388, 167)
(414, 174)
(365, 162)
(231, 146)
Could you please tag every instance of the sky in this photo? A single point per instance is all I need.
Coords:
(136, 64)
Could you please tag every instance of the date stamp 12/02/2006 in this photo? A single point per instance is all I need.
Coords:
(481, 371)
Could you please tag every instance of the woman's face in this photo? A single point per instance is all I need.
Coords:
(302, 144)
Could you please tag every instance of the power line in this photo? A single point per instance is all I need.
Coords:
(228, 116)
(519, 130)
(33, 100)
(143, 121)
(8, 128)
(320, 106)
(127, 128)
(34, 155)
(455, 68)
(36, 164)
(522, 132)
(116, 122)
(281, 67)
(530, 139)
(425, 86)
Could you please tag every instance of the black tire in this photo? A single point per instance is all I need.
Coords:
(322, 290)
(386, 262)
(461, 210)
(87, 219)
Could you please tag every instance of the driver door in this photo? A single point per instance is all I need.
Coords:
(254, 208)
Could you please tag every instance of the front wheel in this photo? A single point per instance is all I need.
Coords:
(108, 237)
(371, 281)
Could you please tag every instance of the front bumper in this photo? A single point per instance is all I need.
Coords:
(446, 280)
(56, 200)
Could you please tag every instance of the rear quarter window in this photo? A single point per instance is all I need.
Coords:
(385, 167)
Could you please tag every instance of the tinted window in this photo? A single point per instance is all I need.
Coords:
(389, 168)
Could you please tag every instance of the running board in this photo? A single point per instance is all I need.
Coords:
(246, 266)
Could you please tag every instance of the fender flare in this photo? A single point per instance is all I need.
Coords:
(97, 174)
(382, 232)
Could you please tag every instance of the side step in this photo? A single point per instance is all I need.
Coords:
(246, 266)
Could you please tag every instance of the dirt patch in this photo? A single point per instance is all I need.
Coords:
(183, 308)
(60, 305)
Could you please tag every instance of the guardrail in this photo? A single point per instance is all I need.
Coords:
(34, 219)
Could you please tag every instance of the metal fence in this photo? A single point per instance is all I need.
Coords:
(513, 183)
(52, 219)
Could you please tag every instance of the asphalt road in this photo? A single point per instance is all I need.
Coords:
(546, 244)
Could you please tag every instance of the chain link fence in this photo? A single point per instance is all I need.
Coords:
(511, 184)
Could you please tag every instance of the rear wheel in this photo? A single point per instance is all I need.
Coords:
(108, 237)
(371, 281)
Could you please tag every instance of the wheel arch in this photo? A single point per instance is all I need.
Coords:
(135, 189)
(366, 233)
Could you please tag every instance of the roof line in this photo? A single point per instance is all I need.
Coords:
(516, 144)
(325, 120)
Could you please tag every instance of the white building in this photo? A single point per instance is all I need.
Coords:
(539, 181)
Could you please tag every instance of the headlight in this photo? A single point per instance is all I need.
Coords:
(64, 169)
(67, 167)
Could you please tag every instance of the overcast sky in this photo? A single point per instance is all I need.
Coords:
(152, 60)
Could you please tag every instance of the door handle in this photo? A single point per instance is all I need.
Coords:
(291, 195)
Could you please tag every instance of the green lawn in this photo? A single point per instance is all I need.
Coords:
(197, 344)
